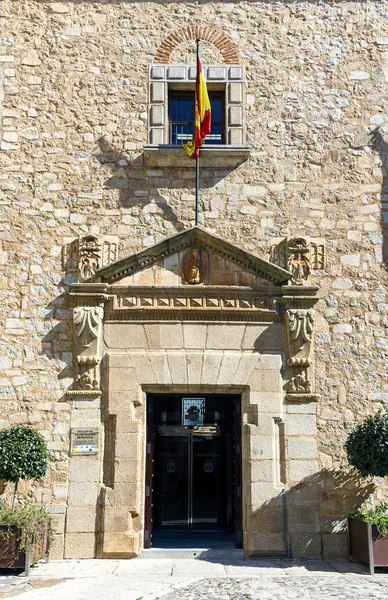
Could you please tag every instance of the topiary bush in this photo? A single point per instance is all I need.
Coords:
(367, 446)
(23, 455)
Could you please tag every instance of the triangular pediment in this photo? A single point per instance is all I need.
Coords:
(190, 257)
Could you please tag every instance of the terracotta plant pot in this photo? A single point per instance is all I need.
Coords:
(367, 545)
(11, 556)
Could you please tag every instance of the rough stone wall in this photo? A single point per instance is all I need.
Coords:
(73, 109)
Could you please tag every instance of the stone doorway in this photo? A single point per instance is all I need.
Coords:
(193, 473)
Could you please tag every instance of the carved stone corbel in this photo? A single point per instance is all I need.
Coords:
(300, 329)
(87, 345)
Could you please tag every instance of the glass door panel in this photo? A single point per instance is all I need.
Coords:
(171, 511)
(209, 483)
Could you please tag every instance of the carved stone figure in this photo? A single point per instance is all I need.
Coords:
(90, 256)
(299, 255)
(298, 260)
(194, 265)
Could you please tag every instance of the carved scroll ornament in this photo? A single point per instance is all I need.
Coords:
(301, 324)
(87, 321)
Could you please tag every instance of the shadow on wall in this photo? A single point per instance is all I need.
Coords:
(139, 186)
(309, 520)
(379, 144)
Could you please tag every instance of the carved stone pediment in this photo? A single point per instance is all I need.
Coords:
(193, 257)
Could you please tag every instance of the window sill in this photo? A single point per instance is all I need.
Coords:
(166, 155)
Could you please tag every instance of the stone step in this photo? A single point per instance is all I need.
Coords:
(198, 553)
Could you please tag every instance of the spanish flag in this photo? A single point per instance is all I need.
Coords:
(202, 114)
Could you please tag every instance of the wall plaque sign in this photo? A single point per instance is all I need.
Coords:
(84, 440)
(193, 411)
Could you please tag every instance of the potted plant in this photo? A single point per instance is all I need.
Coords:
(24, 528)
(367, 450)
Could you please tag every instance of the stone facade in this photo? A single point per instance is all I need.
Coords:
(74, 122)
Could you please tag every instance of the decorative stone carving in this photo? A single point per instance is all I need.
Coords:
(88, 253)
(87, 334)
(300, 328)
(87, 321)
(298, 262)
(88, 376)
(299, 384)
(195, 265)
(90, 256)
(299, 255)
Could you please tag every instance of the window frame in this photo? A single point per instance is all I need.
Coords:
(190, 92)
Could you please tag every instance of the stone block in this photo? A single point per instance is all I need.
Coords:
(260, 447)
(194, 335)
(120, 399)
(235, 136)
(126, 495)
(263, 493)
(334, 525)
(157, 136)
(176, 73)
(80, 545)
(216, 73)
(116, 518)
(303, 469)
(83, 493)
(125, 335)
(267, 401)
(194, 362)
(81, 520)
(303, 518)
(305, 545)
(158, 92)
(157, 72)
(302, 447)
(265, 381)
(157, 114)
(192, 73)
(269, 519)
(178, 368)
(120, 544)
(262, 470)
(265, 425)
(302, 408)
(118, 361)
(85, 417)
(265, 544)
(301, 424)
(57, 547)
(127, 446)
(171, 335)
(210, 367)
(224, 337)
(142, 364)
(227, 374)
(235, 73)
(246, 366)
(60, 492)
(160, 367)
(126, 471)
(335, 546)
(58, 524)
(235, 116)
(122, 380)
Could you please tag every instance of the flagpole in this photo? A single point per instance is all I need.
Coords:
(197, 156)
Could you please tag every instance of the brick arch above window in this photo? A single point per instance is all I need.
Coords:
(227, 48)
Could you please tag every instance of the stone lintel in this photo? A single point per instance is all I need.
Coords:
(302, 398)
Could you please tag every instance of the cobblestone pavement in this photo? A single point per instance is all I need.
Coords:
(150, 579)
(352, 587)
